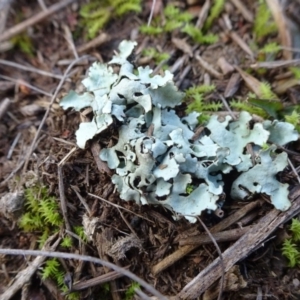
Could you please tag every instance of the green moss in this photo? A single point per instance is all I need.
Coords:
(79, 230)
(96, 14)
(271, 48)
(130, 292)
(53, 269)
(291, 246)
(215, 11)
(24, 43)
(197, 36)
(241, 105)
(67, 242)
(295, 71)
(42, 213)
(195, 101)
(263, 22)
(293, 118)
(156, 56)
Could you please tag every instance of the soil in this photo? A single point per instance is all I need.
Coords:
(142, 235)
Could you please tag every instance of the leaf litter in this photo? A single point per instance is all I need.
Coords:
(158, 237)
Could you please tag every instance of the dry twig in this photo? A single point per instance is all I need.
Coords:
(24, 276)
(183, 251)
(239, 250)
(95, 260)
(34, 19)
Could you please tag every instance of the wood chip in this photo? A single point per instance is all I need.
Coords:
(225, 66)
(233, 85)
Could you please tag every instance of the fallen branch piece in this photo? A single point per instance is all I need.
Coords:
(223, 236)
(241, 249)
(9, 33)
(24, 276)
(97, 280)
(183, 251)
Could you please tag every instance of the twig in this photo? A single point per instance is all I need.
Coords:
(239, 250)
(284, 33)
(203, 14)
(97, 280)
(142, 295)
(97, 41)
(26, 84)
(33, 144)
(62, 197)
(4, 9)
(227, 107)
(67, 156)
(183, 251)
(220, 256)
(208, 67)
(240, 42)
(118, 206)
(13, 145)
(29, 69)
(25, 275)
(4, 106)
(9, 33)
(82, 200)
(248, 16)
(42, 4)
(95, 260)
(294, 170)
(102, 166)
(275, 64)
(151, 12)
(69, 38)
(223, 236)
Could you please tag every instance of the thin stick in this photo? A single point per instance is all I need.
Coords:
(14, 144)
(183, 251)
(275, 64)
(63, 202)
(248, 16)
(151, 13)
(26, 84)
(48, 110)
(223, 236)
(227, 107)
(29, 69)
(25, 275)
(4, 106)
(118, 206)
(97, 280)
(82, 200)
(241, 248)
(220, 256)
(294, 170)
(9, 33)
(95, 260)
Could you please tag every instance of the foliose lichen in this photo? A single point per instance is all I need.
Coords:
(157, 157)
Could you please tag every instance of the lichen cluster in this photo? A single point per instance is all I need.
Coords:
(158, 158)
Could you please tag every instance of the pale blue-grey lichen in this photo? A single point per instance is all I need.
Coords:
(156, 157)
